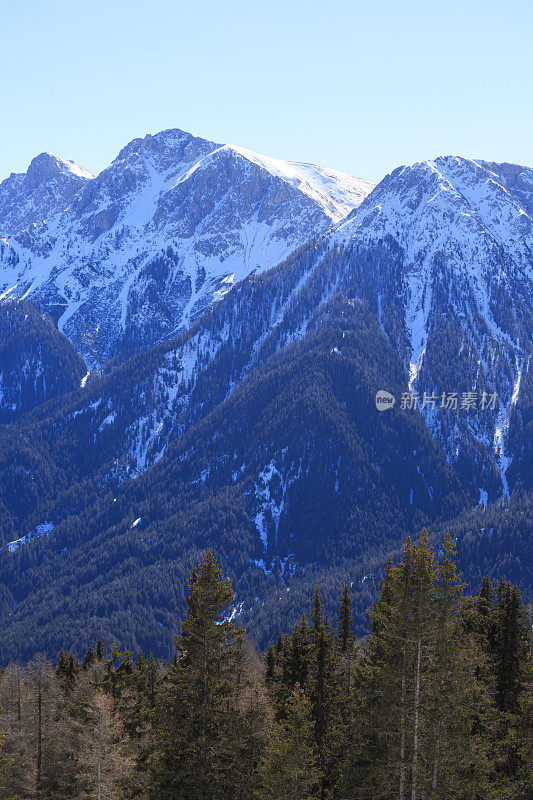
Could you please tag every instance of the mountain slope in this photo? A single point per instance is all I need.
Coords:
(464, 236)
(408, 236)
(169, 227)
(300, 436)
(37, 363)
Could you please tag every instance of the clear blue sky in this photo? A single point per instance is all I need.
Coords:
(359, 86)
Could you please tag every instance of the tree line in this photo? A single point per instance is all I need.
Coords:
(435, 703)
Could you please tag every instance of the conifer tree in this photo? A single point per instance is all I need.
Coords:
(67, 669)
(289, 768)
(455, 699)
(418, 690)
(323, 690)
(345, 620)
(152, 678)
(270, 665)
(89, 657)
(510, 650)
(100, 650)
(199, 715)
(295, 660)
(522, 732)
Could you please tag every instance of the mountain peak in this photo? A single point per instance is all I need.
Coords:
(47, 166)
(45, 189)
(172, 142)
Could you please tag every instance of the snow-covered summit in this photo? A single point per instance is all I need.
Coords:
(462, 234)
(468, 215)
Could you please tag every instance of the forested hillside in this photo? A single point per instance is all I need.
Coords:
(301, 435)
(436, 702)
(37, 363)
(296, 450)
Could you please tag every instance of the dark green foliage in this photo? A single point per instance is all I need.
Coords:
(509, 646)
(435, 703)
(309, 410)
(345, 619)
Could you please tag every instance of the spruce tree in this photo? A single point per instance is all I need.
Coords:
(295, 660)
(88, 659)
(270, 663)
(289, 768)
(455, 700)
(511, 646)
(100, 650)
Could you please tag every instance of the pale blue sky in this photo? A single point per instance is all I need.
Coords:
(360, 87)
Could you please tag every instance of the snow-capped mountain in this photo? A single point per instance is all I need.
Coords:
(428, 253)
(38, 194)
(164, 231)
(463, 279)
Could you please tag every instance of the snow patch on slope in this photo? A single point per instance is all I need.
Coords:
(41, 530)
(337, 192)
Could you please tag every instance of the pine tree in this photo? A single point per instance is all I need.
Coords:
(455, 698)
(323, 690)
(152, 678)
(522, 733)
(378, 756)
(270, 662)
(295, 660)
(66, 670)
(510, 649)
(417, 690)
(88, 659)
(289, 768)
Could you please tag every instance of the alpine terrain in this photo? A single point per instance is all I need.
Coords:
(191, 344)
